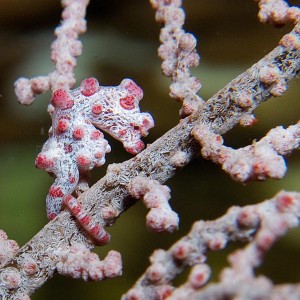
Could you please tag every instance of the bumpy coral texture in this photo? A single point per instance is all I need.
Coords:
(155, 196)
(79, 262)
(7, 247)
(76, 145)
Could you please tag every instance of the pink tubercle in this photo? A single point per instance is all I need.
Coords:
(78, 133)
(127, 102)
(96, 134)
(61, 99)
(83, 161)
(56, 192)
(63, 126)
(97, 109)
(138, 147)
(43, 162)
(89, 86)
(132, 88)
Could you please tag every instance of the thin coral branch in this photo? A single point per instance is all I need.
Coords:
(178, 52)
(260, 225)
(258, 161)
(65, 49)
(277, 12)
(77, 261)
(155, 196)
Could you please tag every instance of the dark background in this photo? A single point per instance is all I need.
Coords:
(121, 41)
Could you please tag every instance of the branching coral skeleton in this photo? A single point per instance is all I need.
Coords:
(261, 225)
(259, 161)
(76, 145)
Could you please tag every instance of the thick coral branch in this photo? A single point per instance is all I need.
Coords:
(261, 225)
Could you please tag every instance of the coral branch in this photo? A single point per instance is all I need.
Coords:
(277, 12)
(78, 261)
(178, 52)
(65, 49)
(155, 196)
(261, 225)
(258, 161)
